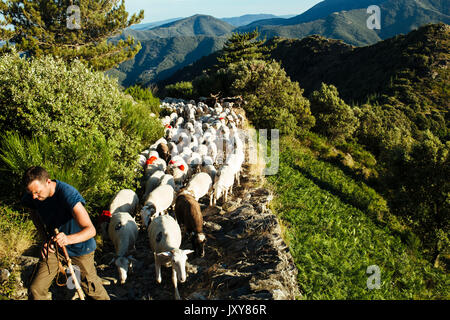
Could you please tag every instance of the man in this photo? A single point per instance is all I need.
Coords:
(56, 204)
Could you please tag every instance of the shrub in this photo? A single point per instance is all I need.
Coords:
(146, 97)
(136, 120)
(334, 118)
(180, 90)
(273, 100)
(73, 121)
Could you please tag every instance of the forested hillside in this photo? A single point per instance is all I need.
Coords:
(378, 115)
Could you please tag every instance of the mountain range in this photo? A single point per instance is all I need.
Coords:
(172, 45)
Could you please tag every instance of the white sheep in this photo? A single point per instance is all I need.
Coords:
(168, 179)
(153, 182)
(154, 164)
(123, 232)
(157, 202)
(165, 239)
(141, 160)
(223, 184)
(235, 161)
(126, 200)
(194, 161)
(178, 168)
(200, 185)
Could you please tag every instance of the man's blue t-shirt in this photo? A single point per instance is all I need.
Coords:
(56, 212)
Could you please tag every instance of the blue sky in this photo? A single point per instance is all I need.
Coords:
(156, 10)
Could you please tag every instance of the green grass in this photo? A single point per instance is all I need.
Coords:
(17, 234)
(334, 234)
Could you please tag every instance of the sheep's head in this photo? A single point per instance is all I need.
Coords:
(178, 258)
(198, 243)
(123, 264)
(147, 212)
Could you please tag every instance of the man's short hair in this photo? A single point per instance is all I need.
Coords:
(35, 173)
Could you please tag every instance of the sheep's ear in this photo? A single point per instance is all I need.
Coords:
(165, 254)
(188, 251)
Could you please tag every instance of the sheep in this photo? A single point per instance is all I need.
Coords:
(202, 150)
(188, 213)
(194, 161)
(173, 149)
(163, 151)
(168, 179)
(153, 182)
(164, 235)
(154, 164)
(141, 160)
(157, 142)
(126, 200)
(211, 171)
(123, 232)
(223, 184)
(235, 161)
(200, 185)
(157, 202)
(178, 169)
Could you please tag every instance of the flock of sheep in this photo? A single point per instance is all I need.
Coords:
(201, 154)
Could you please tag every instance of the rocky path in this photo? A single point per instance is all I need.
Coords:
(245, 256)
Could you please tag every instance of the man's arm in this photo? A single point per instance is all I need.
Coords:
(88, 231)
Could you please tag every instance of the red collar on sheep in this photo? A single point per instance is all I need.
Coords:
(104, 216)
(151, 160)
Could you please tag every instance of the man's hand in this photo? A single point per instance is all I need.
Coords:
(61, 239)
(45, 250)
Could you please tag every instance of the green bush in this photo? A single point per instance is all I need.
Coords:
(85, 163)
(334, 118)
(75, 122)
(136, 120)
(273, 100)
(180, 90)
(146, 97)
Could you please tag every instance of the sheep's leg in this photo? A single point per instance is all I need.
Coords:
(174, 280)
(157, 268)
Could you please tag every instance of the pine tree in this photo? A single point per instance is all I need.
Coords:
(242, 46)
(70, 29)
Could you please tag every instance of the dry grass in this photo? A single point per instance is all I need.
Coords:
(17, 234)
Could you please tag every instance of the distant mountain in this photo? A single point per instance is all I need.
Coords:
(346, 20)
(159, 58)
(170, 47)
(234, 21)
(150, 25)
(333, 19)
(197, 25)
(247, 19)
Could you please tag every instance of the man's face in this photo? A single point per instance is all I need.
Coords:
(39, 190)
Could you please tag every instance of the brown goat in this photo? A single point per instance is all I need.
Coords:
(188, 213)
(163, 151)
